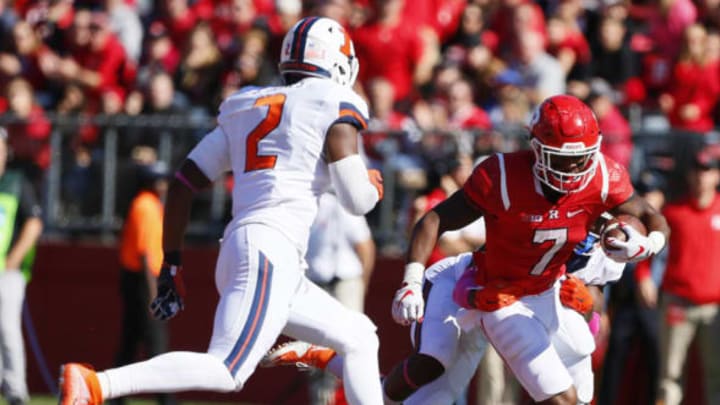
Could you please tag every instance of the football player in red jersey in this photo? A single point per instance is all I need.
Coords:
(538, 204)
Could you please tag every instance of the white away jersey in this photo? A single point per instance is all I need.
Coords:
(273, 140)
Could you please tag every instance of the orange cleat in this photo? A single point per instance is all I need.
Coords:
(299, 354)
(79, 385)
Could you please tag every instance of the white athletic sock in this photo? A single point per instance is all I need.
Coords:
(360, 377)
(166, 373)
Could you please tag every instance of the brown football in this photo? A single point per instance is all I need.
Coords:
(613, 230)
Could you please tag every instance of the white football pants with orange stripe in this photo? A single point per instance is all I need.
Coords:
(263, 293)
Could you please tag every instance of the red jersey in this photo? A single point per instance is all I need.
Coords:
(529, 238)
(692, 267)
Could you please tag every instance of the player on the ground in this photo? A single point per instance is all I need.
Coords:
(538, 204)
(285, 146)
(441, 337)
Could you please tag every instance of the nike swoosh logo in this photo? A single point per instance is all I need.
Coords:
(642, 249)
(571, 214)
(408, 292)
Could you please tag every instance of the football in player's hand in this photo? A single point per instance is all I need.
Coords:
(613, 228)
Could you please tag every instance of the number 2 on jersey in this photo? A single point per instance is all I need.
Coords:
(558, 238)
(254, 161)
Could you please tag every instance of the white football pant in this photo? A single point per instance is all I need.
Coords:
(263, 293)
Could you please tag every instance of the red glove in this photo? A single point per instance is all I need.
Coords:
(574, 294)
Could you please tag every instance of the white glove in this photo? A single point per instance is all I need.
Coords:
(408, 305)
(636, 248)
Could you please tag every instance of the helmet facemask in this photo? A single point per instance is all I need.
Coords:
(550, 164)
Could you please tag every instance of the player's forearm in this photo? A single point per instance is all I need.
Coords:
(424, 236)
(188, 181)
(177, 216)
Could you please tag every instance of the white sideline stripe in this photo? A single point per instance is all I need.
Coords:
(503, 182)
(605, 180)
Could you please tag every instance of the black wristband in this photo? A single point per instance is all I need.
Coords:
(172, 258)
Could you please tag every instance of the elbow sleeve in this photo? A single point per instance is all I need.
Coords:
(352, 185)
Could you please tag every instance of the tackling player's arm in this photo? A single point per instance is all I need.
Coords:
(453, 213)
(357, 188)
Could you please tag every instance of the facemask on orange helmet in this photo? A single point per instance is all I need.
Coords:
(565, 136)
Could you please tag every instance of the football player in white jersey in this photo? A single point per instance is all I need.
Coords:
(285, 146)
(441, 340)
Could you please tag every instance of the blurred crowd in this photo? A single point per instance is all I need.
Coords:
(447, 81)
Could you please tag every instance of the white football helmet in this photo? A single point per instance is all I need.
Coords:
(320, 47)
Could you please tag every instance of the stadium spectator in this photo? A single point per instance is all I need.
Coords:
(567, 43)
(695, 85)
(463, 113)
(512, 17)
(179, 17)
(29, 137)
(200, 71)
(612, 57)
(251, 66)
(21, 229)
(341, 258)
(140, 255)
(615, 129)
(541, 74)
(442, 17)
(667, 22)
(27, 58)
(126, 25)
(8, 19)
(160, 54)
(383, 115)
(512, 112)
(690, 289)
(96, 59)
(338, 10)
(408, 53)
(472, 30)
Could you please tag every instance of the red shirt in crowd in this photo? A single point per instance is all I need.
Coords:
(617, 136)
(575, 41)
(472, 118)
(443, 16)
(110, 62)
(30, 141)
(693, 265)
(389, 52)
(698, 85)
